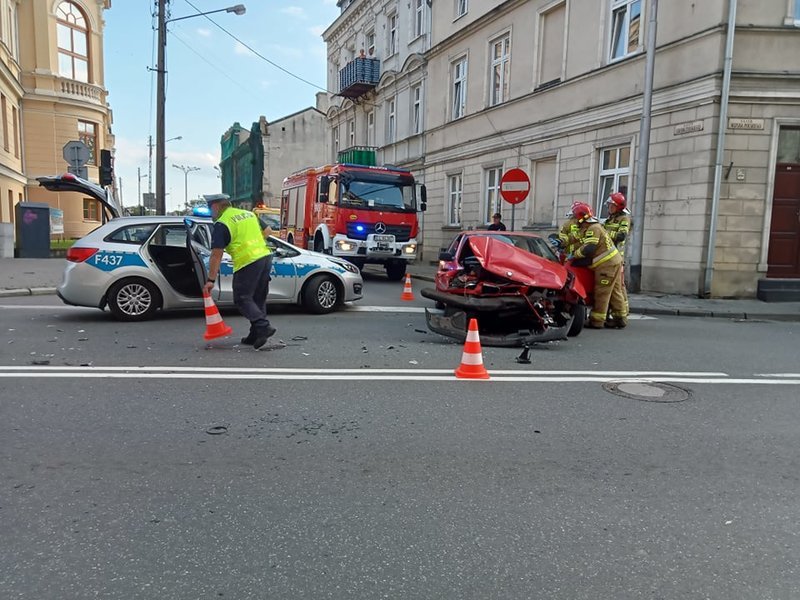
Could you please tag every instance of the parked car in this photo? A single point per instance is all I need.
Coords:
(138, 265)
(513, 283)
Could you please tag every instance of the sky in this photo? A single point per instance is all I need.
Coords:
(212, 81)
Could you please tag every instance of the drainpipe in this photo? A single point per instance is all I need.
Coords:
(723, 124)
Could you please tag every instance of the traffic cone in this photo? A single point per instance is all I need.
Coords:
(215, 327)
(471, 366)
(408, 293)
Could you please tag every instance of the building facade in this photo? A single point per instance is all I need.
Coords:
(554, 87)
(383, 108)
(254, 162)
(61, 97)
(12, 178)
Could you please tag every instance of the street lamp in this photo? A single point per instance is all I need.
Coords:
(186, 171)
(150, 160)
(161, 98)
(139, 178)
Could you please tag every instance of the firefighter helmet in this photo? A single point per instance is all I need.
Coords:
(618, 200)
(582, 211)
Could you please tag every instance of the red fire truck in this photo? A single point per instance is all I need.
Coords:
(364, 214)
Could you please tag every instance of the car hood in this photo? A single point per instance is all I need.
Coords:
(504, 260)
(72, 183)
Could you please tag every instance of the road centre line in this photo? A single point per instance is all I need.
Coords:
(293, 370)
(388, 377)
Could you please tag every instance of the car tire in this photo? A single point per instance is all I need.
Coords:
(395, 271)
(319, 245)
(290, 239)
(578, 320)
(133, 299)
(321, 295)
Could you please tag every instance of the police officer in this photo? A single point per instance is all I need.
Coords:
(241, 233)
(618, 223)
(598, 252)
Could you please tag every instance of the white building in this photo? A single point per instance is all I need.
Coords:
(555, 87)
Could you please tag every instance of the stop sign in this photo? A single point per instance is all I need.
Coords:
(514, 186)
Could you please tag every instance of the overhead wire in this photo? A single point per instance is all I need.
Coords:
(256, 52)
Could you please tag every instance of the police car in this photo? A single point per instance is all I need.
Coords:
(138, 265)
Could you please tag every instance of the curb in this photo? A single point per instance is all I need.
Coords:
(34, 291)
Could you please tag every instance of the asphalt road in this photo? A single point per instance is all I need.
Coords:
(347, 462)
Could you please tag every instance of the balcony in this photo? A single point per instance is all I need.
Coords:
(78, 90)
(359, 76)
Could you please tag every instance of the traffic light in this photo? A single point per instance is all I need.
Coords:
(106, 168)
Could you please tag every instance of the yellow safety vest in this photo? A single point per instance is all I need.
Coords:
(247, 240)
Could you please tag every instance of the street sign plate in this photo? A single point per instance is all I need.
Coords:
(515, 186)
(76, 153)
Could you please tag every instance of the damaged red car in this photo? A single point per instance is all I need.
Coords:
(513, 284)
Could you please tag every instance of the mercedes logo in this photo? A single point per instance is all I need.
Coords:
(380, 227)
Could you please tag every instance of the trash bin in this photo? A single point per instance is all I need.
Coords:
(33, 230)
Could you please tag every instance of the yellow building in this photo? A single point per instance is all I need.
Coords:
(53, 92)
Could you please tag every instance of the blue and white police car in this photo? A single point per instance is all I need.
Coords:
(139, 265)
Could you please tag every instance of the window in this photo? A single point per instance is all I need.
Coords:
(170, 235)
(91, 210)
(543, 192)
(336, 139)
(13, 28)
(371, 43)
(351, 132)
(133, 234)
(419, 17)
(614, 171)
(461, 8)
(73, 42)
(454, 187)
(491, 195)
(87, 133)
(391, 122)
(626, 18)
(392, 35)
(500, 67)
(797, 11)
(15, 124)
(416, 108)
(4, 103)
(371, 128)
(551, 45)
(459, 88)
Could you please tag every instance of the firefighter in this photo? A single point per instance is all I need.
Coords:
(618, 223)
(598, 252)
(568, 238)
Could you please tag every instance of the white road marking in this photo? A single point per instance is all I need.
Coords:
(509, 376)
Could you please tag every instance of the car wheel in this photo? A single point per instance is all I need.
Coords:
(290, 239)
(134, 299)
(578, 320)
(321, 295)
(319, 245)
(395, 271)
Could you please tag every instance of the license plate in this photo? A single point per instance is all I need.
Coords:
(383, 239)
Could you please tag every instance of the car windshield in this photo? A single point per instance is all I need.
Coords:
(383, 194)
(532, 244)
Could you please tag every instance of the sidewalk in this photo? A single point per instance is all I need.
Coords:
(34, 276)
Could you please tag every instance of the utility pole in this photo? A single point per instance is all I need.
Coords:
(643, 155)
(161, 101)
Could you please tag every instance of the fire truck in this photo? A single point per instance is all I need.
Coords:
(365, 214)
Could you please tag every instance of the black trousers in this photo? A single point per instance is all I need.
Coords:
(250, 289)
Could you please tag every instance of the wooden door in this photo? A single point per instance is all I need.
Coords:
(784, 238)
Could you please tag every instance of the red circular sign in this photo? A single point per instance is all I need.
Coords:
(514, 186)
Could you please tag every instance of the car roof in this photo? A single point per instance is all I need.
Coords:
(488, 232)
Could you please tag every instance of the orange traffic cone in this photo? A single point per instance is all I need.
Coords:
(215, 327)
(471, 366)
(408, 293)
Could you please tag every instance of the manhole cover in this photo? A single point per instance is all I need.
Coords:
(647, 391)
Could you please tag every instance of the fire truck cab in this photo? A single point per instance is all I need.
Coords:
(365, 214)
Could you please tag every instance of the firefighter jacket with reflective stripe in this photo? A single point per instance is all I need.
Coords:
(618, 227)
(247, 240)
(597, 245)
(570, 235)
